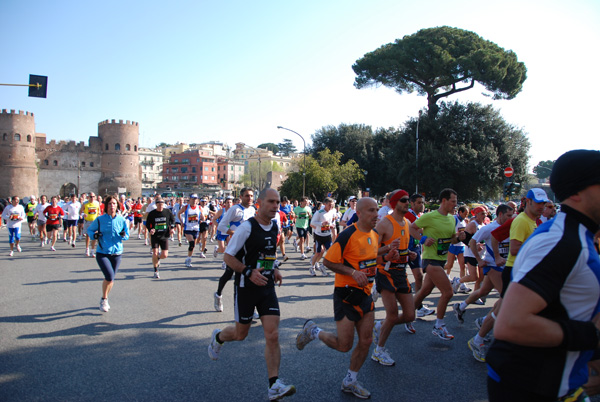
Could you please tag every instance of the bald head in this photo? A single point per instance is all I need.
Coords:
(364, 203)
(366, 208)
(268, 192)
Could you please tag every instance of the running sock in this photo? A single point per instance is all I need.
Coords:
(272, 381)
(315, 332)
(350, 377)
(218, 339)
(439, 323)
(378, 349)
(463, 306)
(478, 340)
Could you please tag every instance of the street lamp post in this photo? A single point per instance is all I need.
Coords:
(304, 162)
(417, 158)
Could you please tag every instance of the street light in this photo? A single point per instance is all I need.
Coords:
(304, 162)
(417, 158)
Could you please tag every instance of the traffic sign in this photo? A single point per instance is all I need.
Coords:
(508, 172)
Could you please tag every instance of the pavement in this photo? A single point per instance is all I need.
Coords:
(56, 345)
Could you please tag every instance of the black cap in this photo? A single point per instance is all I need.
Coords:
(574, 171)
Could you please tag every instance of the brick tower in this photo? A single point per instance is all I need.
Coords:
(119, 159)
(17, 154)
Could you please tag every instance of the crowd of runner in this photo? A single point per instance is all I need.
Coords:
(371, 248)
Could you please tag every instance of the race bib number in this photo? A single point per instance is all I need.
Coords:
(325, 227)
(302, 215)
(14, 217)
(402, 259)
(53, 217)
(369, 268)
(503, 249)
(92, 211)
(160, 227)
(192, 218)
(265, 261)
(442, 246)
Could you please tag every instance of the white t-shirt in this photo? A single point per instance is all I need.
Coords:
(12, 214)
(323, 221)
(39, 210)
(241, 234)
(73, 209)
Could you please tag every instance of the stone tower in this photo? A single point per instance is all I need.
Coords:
(17, 154)
(119, 159)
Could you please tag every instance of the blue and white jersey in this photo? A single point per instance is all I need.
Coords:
(560, 264)
(484, 235)
(235, 216)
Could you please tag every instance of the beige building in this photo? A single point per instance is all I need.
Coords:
(151, 165)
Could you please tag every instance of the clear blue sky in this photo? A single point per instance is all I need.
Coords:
(194, 71)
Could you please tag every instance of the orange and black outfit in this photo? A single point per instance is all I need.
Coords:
(392, 276)
(357, 250)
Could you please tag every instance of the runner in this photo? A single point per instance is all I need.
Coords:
(350, 211)
(322, 222)
(391, 279)
(221, 238)
(137, 216)
(91, 210)
(457, 251)
(353, 258)
(30, 212)
(205, 216)
(41, 219)
(14, 214)
(178, 226)
(191, 225)
(459, 284)
(73, 210)
(54, 216)
(549, 327)
(303, 215)
(160, 224)
(110, 230)
(436, 231)
(251, 254)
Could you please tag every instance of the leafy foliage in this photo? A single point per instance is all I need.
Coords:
(286, 147)
(543, 169)
(438, 62)
(270, 146)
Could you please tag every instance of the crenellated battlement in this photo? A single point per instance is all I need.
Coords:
(66, 146)
(13, 111)
(113, 121)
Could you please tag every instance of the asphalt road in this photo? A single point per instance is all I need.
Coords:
(56, 345)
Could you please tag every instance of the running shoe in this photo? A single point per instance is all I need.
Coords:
(255, 316)
(479, 302)
(311, 270)
(356, 389)
(10, 253)
(52, 248)
(214, 348)
(479, 351)
(279, 390)
(41, 243)
(424, 311)
(285, 258)
(223, 266)
(459, 313)
(463, 289)
(156, 275)
(18, 248)
(409, 328)
(442, 333)
(303, 257)
(218, 302)
(295, 245)
(146, 242)
(382, 357)
(87, 252)
(322, 268)
(376, 332)
(216, 251)
(73, 244)
(188, 262)
(306, 335)
(202, 255)
(104, 307)
(479, 322)
(179, 244)
(455, 282)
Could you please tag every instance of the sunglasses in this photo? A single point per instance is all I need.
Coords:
(403, 200)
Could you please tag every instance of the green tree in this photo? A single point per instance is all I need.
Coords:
(286, 147)
(438, 62)
(543, 169)
(270, 146)
(325, 174)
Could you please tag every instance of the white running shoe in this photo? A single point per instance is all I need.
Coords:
(18, 248)
(218, 303)
(202, 255)
(463, 289)
(41, 243)
(303, 257)
(52, 248)
(479, 351)
(223, 266)
(104, 307)
(455, 282)
(306, 335)
(188, 262)
(311, 270)
(323, 269)
(382, 357)
(295, 245)
(279, 390)
(156, 275)
(87, 252)
(356, 389)
(424, 311)
(410, 328)
(216, 251)
(10, 253)
(214, 348)
(442, 333)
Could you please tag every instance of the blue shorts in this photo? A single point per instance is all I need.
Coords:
(416, 263)
(14, 234)
(222, 237)
(456, 250)
(193, 233)
(71, 223)
(322, 242)
(488, 268)
(109, 264)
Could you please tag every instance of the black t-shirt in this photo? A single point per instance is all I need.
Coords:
(161, 222)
